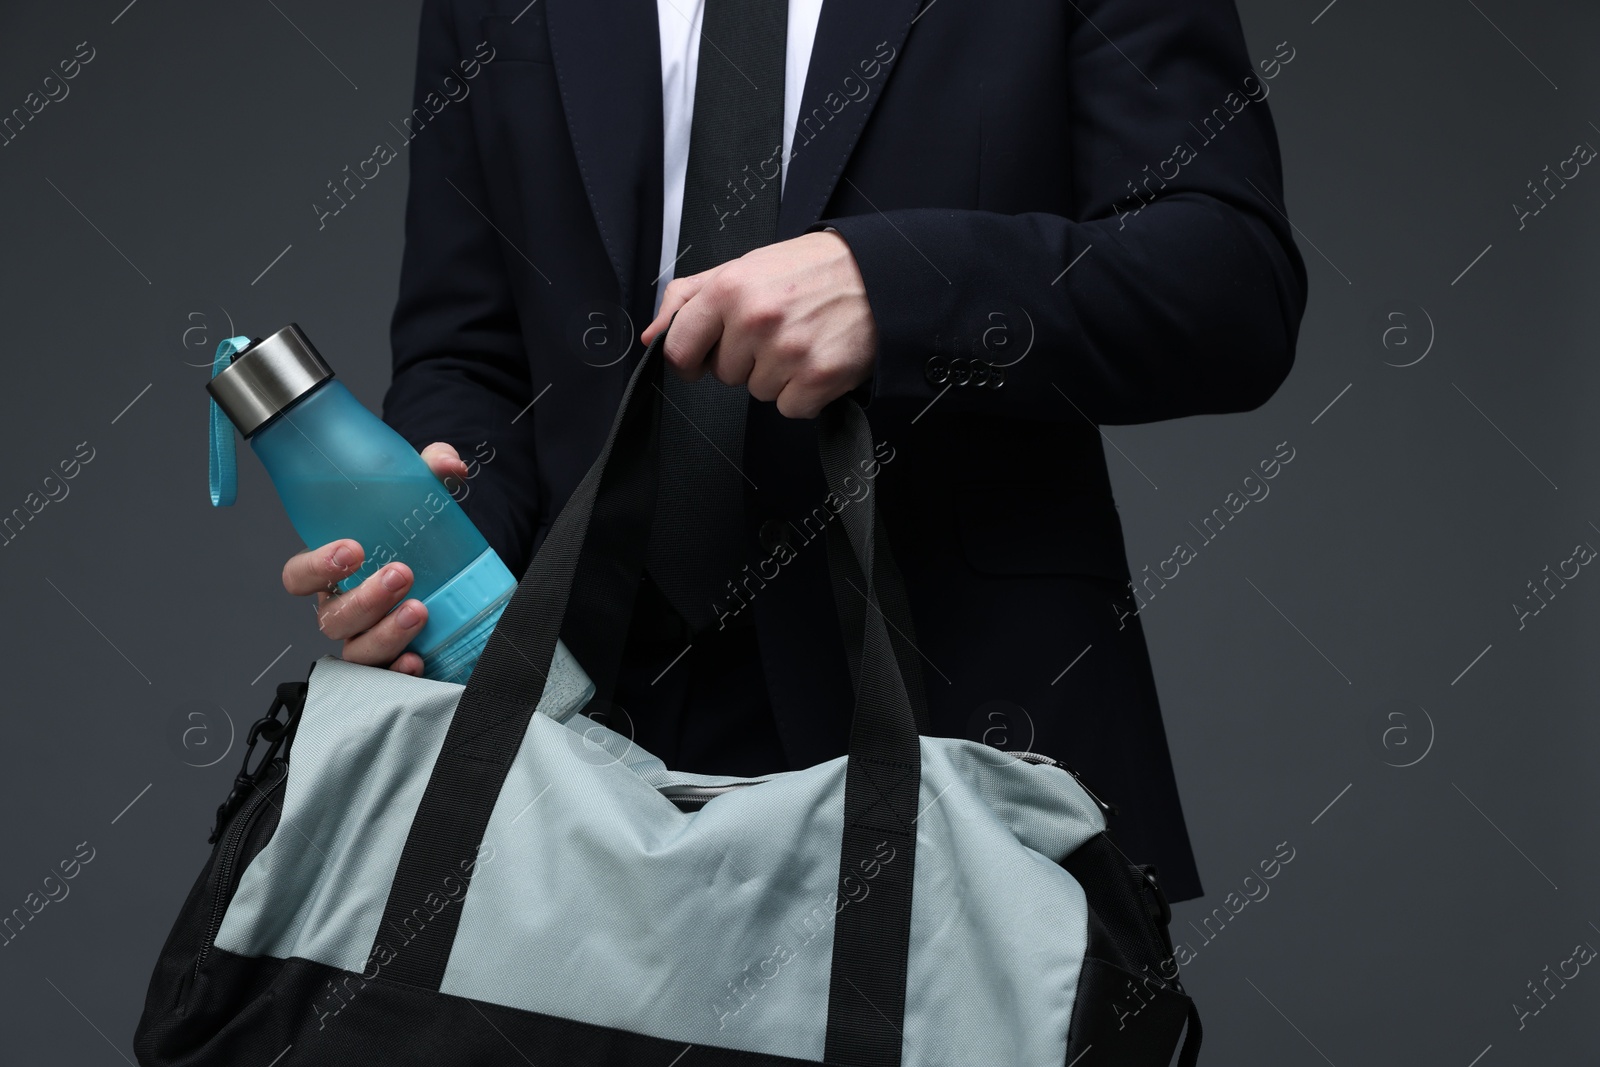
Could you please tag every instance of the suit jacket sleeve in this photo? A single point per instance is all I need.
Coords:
(461, 373)
(1183, 298)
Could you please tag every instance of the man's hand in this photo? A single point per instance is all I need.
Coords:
(372, 634)
(789, 320)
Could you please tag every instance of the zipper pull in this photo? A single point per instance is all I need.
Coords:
(1106, 809)
(1039, 758)
(242, 785)
(291, 696)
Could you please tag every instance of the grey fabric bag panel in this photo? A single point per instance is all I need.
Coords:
(597, 899)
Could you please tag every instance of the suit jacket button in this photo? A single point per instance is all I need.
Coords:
(936, 371)
(773, 535)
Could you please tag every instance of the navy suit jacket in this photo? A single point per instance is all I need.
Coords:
(1066, 214)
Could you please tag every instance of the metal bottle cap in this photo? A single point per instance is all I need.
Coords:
(268, 377)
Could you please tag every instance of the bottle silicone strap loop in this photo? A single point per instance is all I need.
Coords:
(224, 466)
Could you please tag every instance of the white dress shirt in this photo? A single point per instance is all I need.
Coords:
(680, 54)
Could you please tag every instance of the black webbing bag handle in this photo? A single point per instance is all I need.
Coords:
(883, 776)
(840, 456)
(590, 562)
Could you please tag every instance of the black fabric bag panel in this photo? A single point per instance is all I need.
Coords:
(1122, 1019)
(1131, 1007)
(254, 1010)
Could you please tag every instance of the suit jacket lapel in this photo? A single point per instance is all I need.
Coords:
(607, 55)
(858, 43)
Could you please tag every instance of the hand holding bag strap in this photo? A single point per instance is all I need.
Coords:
(597, 544)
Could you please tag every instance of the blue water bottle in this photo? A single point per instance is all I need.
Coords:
(342, 472)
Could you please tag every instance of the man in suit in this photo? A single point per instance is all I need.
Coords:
(999, 225)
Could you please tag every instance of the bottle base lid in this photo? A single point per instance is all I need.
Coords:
(461, 615)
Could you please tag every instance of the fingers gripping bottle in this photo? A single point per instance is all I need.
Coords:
(342, 472)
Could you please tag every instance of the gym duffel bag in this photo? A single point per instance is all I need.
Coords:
(417, 872)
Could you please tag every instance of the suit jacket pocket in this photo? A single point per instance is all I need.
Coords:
(1020, 528)
(518, 38)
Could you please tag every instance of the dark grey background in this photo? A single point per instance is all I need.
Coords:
(1359, 617)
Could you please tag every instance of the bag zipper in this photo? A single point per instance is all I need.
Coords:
(695, 797)
(228, 853)
(1046, 761)
(708, 792)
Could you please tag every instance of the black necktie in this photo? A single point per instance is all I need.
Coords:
(730, 206)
